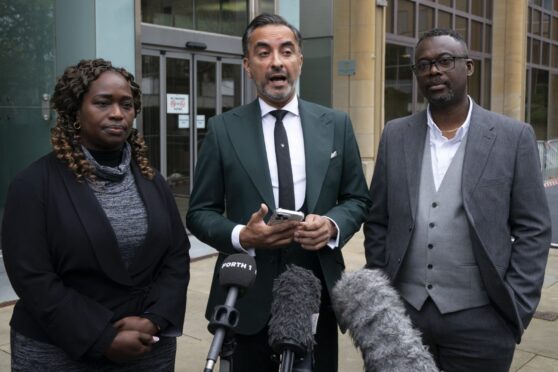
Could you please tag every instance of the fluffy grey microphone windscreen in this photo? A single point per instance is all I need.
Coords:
(296, 297)
(370, 308)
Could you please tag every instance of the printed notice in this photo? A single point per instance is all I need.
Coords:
(177, 104)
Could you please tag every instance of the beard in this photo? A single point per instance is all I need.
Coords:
(273, 95)
(441, 100)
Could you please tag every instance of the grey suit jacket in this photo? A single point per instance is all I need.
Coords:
(503, 197)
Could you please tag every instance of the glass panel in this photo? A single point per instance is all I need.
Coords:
(174, 13)
(206, 96)
(399, 81)
(487, 80)
(266, 6)
(536, 22)
(554, 28)
(529, 51)
(474, 82)
(178, 129)
(489, 9)
(555, 56)
(315, 81)
(444, 19)
(546, 25)
(406, 18)
(462, 5)
(27, 57)
(445, 2)
(150, 88)
(530, 20)
(536, 53)
(234, 16)
(553, 109)
(488, 39)
(556, 5)
(547, 4)
(426, 19)
(207, 15)
(477, 7)
(539, 103)
(231, 86)
(461, 27)
(476, 36)
(545, 54)
(389, 17)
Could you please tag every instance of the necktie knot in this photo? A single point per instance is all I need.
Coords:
(279, 114)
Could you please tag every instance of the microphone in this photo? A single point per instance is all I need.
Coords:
(238, 271)
(370, 308)
(296, 298)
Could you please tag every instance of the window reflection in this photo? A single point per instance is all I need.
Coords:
(538, 115)
(399, 81)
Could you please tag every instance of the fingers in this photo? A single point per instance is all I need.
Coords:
(259, 215)
(257, 234)
(314, 232)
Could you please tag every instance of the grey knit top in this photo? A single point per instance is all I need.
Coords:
(116, 191)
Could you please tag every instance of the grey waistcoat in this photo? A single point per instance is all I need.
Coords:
(439, 261)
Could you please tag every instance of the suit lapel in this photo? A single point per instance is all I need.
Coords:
(98, 228)
(480, 140)
(246, 135)
(414, 139)
(318, 132)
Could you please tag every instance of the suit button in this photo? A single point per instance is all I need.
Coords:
(429, 266)
(429, 286)
(398, 260)
(434, 205)
(430, 246)
(431, 224)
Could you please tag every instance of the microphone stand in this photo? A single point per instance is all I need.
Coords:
(224, 318)
(292, 362)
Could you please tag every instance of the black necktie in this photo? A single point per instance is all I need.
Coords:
(284, 170)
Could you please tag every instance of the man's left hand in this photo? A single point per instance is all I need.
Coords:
(314, 233)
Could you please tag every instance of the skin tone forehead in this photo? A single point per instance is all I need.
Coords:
(438, 45)
(272, 34)
(105, 84)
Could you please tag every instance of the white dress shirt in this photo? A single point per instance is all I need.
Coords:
(293, 127)
(442, 150)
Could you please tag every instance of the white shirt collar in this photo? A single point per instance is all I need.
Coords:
(291, 107)
(437, 133)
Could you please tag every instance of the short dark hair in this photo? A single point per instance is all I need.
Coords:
(443, 32)
(265, 19)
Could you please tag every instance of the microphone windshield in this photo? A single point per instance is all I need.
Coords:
(296, 297)
(238, 270)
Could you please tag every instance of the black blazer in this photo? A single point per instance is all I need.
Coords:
(62, 258)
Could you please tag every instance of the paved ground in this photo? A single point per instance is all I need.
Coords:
(537, 353)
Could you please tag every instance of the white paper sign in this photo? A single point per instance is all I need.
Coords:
(177, 104)
(183, 121)
(200, 121)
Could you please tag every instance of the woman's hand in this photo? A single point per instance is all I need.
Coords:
(136, 323)
(128, 345)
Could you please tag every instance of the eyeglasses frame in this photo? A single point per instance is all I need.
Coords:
(435, 63)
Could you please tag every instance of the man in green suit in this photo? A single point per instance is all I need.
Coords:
(239, 182)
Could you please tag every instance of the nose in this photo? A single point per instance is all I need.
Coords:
(434, 64)
(277, 61)
(116, 112)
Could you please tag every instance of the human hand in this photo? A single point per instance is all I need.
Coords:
(136, 323)
(314, 233)
(258, 234)
(128, 345)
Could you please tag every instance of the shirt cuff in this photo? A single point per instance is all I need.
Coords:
(235, 240)
(334, 242)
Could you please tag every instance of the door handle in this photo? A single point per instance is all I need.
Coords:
(45, 107)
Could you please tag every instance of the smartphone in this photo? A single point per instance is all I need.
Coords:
(282, 215)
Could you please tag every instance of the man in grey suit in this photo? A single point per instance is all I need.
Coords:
(459, 218)
(240, 180)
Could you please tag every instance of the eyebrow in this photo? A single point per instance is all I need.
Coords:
(263, 44)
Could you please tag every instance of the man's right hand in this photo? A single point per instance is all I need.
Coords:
(128, 345)
(258, 234)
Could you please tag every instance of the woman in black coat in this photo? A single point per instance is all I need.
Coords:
(93, 242)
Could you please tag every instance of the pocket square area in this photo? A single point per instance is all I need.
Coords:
(333, 154)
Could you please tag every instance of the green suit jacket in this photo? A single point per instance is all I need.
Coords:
(232, 179)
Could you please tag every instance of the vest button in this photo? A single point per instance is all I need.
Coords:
(429, 286)
(429, 266)
(434, 205)
(431, 224)
(430, 246)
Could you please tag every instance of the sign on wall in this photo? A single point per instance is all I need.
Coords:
(177, 104)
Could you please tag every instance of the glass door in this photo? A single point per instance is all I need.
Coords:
(181, 91)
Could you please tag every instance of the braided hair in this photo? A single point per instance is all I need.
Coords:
(66, 101)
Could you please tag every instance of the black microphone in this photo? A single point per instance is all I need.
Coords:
(296, 300)
(369, 307)
(238, 271)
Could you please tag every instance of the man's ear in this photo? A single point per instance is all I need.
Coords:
(470, 67)
(246, 65)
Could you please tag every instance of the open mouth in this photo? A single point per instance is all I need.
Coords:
(278, 79)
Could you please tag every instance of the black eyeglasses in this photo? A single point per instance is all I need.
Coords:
(443, 64)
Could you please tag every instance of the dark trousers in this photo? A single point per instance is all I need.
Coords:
(471, 340)
(253, 352)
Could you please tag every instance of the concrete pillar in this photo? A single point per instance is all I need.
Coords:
(359, 36)
(509, 52)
